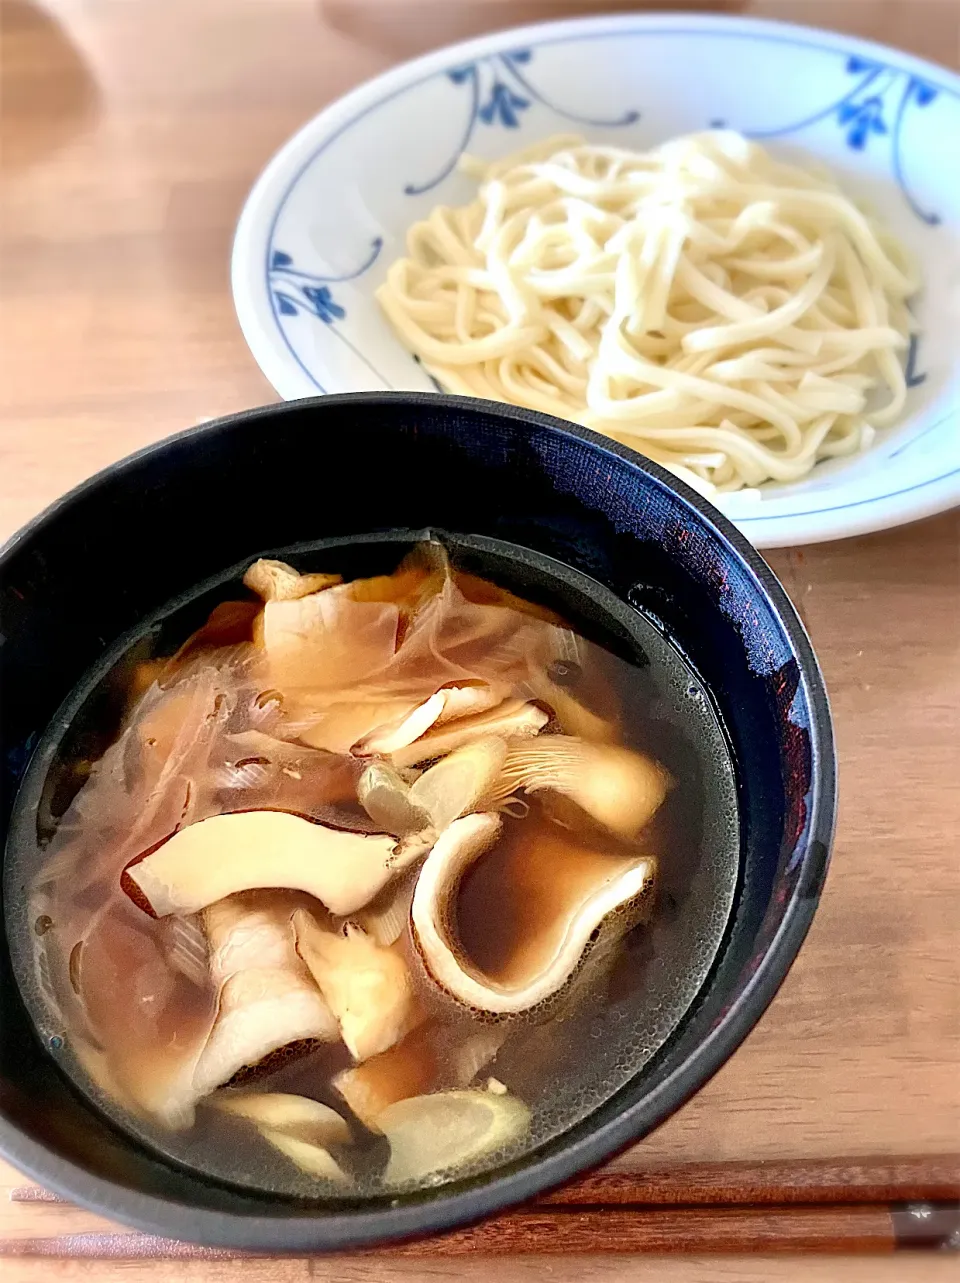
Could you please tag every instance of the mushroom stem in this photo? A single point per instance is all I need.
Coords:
(514, 717)
(618, 788)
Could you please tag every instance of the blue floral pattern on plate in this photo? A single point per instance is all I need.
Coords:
(499, 90)
(294, 292)
(861, 113)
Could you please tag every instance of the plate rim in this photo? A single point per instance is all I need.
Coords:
(263, 207)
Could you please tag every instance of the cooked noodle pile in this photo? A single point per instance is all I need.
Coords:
(726, 314)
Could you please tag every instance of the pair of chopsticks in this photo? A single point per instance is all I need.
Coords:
(827, 1205)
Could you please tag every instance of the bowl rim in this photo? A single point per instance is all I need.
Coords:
(925, 496)
(534, 1173)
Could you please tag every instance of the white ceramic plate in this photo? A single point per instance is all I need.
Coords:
(331, 210)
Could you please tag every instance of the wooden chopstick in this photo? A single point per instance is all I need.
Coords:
(871, 1205)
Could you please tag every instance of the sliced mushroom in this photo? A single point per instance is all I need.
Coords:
(267, 996)
(404, 730)
(468, 700)
(186, 947)
(420, 575)
(245, 931)
(243, 851)
(312, 1159)
(327, 642)
(512, 718)
(439, 1133)
(340, 726)
(297, 1116)
(457, 782)
(552, 895)
(448, 704)
(619, 789)
(367, 987)
(276, 581)
(267, 999)
(386, 917)
(574, 717)
(261, 1011)
(385, 796)
(407, 1069)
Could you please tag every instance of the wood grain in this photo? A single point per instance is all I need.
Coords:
(908, 1179)
(129, 136)
(902, 1268)
(860, 1228)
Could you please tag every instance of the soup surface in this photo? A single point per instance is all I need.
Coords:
(360, 876)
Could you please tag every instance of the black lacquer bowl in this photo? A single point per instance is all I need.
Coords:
(147, 529)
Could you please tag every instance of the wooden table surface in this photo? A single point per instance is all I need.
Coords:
(131, 131)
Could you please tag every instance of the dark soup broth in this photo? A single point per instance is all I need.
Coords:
(374, 866)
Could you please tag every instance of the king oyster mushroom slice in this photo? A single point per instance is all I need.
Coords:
(619, 789)
(267, 1000)
(367, 987)
(298, 1127)
(458, 781)
(512, 718)
(297, 1116)
(574, 717)
(448, 704)
(247, 850)
(267, 997)
(310, 1158)
(580, 896)
(468, 700)
(276, 581)
(403, 730)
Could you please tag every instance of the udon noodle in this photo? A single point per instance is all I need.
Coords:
(732, 317)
